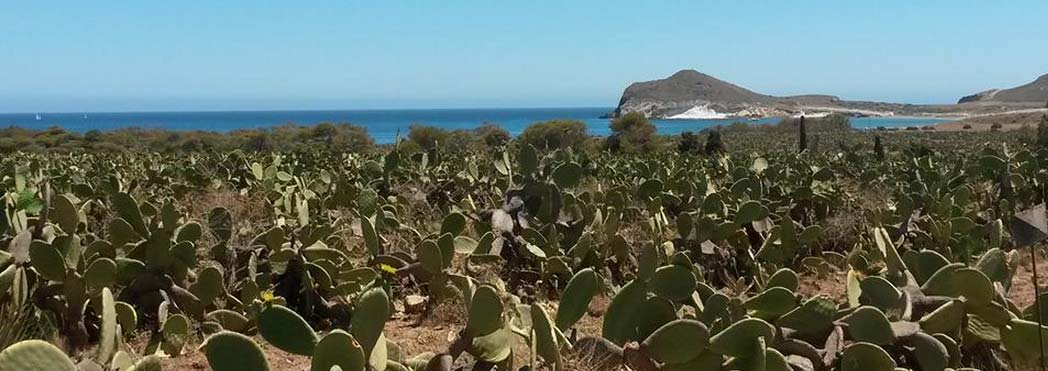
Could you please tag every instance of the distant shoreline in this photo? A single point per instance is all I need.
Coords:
(383, 125)
(412, 109)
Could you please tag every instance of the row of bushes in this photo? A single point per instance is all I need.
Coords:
(631, 133)
(288, 137)
(284, 137)
(432, 137)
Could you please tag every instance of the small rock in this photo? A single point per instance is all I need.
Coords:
(415, 303)
(88, 365)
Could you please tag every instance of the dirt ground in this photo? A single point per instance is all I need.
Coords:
(193, 359)
(1008, 122)
(416, 333)
(1022, 291)
(834, 285)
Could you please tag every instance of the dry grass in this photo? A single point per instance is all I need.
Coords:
(841, 231)
(579, 362)
(248, 212)
(834, 285)
(23, 323)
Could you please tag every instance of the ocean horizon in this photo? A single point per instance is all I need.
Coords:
(384, 125)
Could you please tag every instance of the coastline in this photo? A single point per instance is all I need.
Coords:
(954, 116)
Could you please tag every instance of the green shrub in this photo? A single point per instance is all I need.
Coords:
(492, 135)
(332, 136)
(460, 139)
(8, 145)
(631, 133)
(259, 142)
(288, 137)
(323, 132)
(352, 138)
(555, 134)
(427, 137)
(93, 136)
(689, 143)
(738, 126)
(834, 122)
(714, 143)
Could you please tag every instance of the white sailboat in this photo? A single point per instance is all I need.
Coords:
(38, 118)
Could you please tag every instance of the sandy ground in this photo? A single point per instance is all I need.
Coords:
(415, 334)
(1022, 292)
(1013, 120)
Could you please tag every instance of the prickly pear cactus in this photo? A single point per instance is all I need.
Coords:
(230, 351)
(35, 355)
(338, 349)
(286, 330)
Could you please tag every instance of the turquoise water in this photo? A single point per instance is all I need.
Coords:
(383, 125)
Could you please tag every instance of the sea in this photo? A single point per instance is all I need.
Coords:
(383, 125)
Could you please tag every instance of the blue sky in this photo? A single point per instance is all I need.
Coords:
(239, 54)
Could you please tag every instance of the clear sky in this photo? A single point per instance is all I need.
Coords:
(75, 56)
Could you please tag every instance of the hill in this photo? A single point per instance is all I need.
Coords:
(1034, 92)
(694, 93)
(690, 94)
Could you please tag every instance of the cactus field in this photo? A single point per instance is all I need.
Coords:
(912, 254)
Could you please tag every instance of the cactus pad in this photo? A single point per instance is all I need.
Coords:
(338, 348)
(230, 351)
(869, 324)
(576, 298)
(286, 330)
(866, 357)
(673, 282)
(485, 312)
(679, 341)
(737, 340)
(35, 355)
(369, 318)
